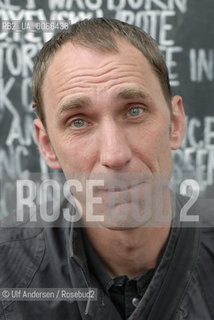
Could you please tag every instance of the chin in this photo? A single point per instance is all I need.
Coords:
(125, 223)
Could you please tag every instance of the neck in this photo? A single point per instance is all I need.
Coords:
(131, 251)
(128, 252)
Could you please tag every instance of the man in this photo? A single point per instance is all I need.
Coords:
(105, 109)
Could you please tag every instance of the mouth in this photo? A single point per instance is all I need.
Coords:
(121, 187)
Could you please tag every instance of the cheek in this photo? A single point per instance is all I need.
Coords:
(164, 155)
(152, 146)
(75, 155)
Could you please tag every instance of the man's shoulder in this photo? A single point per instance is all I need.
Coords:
(198, 298)
(13, 232)
(25, 250)
(10, 235)
(21, 252)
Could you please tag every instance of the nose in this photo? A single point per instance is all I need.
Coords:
(115, 152)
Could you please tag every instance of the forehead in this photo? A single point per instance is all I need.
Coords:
(82, 53)
(75, 69)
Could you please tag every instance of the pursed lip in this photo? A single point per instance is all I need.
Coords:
(125, 186)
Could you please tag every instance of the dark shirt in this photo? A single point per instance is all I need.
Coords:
(124, 292)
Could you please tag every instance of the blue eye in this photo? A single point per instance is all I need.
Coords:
(78, 123)
(135, 111)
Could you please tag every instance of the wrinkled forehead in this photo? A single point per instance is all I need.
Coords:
(75, 58)
(94, 69)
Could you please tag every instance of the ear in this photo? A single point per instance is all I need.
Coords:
(178, 127)
(45, 146)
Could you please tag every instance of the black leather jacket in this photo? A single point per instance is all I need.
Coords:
(182, 287)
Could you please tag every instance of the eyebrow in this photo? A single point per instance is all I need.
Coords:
(132, 93)
(72, 103)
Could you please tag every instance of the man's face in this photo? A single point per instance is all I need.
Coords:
(106, 114)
